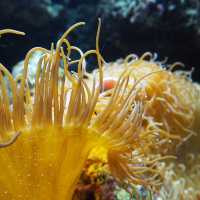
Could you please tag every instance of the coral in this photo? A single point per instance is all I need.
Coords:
(96, 182)
(132, 10)
(181, 182)
(46, 10)
(136, 11)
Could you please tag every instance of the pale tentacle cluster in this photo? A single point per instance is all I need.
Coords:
(171, 100)
(181, 179)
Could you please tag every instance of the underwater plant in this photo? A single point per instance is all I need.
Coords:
(46, 137)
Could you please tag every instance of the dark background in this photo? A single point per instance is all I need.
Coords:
(169, 28)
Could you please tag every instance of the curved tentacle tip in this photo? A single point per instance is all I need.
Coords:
(11, 141)
(11, 31)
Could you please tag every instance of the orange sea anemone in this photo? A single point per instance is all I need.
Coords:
(47, 137)
(171, 99)
(170, 123)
